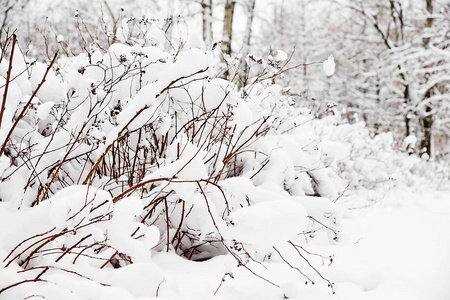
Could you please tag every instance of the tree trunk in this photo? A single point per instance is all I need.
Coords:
(207, 23)
(429, 23)
(304, 37)
(248, 32)
(427, 123)
(247, 39)
(407, 103)
(427, 119)
(228, 26)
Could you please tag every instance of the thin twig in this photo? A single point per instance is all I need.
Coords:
(8, 77)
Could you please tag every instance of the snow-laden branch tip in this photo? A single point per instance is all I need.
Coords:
(281, 56)
(329, 66)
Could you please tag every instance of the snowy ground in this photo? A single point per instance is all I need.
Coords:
(400, 250)
(397, 249)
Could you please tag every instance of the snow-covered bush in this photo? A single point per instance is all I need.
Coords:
(111, 157)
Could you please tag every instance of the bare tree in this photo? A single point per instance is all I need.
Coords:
(409, 62)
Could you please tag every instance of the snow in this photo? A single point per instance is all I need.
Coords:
(4, 164)
(44, 110)
(397, 248)
(410, 142)
(281, 56)
(155, 36)
(289, 290)
(268, 223)
(329, 66)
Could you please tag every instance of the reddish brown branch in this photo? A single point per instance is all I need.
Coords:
(8, 78)
(22, 113)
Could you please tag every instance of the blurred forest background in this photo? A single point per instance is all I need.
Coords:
(392, 56)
